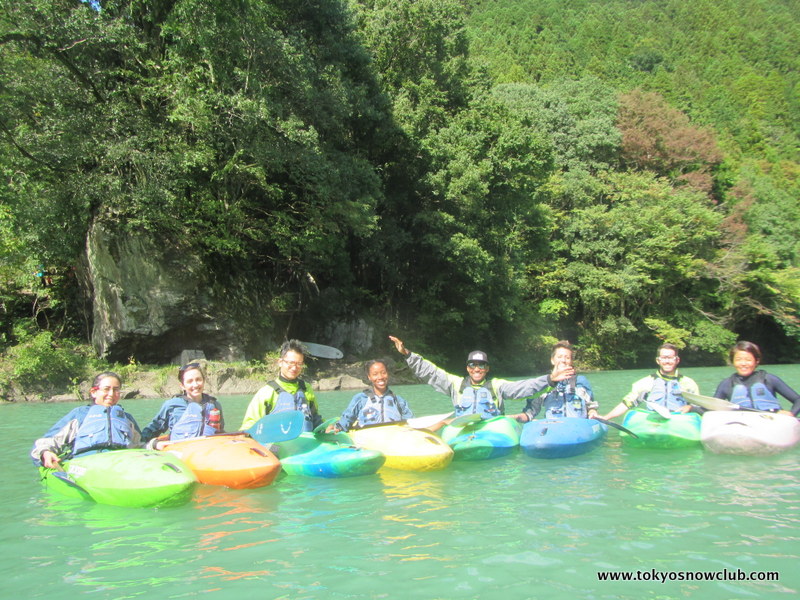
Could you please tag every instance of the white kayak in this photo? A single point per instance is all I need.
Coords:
(745, 432)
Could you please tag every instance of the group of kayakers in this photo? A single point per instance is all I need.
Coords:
(104, 425)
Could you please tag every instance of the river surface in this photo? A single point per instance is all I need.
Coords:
(511, 528)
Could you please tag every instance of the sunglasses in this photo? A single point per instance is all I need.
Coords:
(477, 365)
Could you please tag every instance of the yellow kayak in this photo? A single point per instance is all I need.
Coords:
(404, 447)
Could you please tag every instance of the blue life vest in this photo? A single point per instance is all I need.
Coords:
(755, 394)
(478, 400)
(103, 428)
(565, 400)
(288, 401)
(193, 421)
(666, 392)
(379, 409)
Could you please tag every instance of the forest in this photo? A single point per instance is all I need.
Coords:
(490, 173)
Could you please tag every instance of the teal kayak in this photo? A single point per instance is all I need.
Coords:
(133, 478)
(680, 430)
(327, 455)
(484, 439)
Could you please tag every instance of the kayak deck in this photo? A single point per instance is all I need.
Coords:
(483, 440)
(234, 461)
(751, 433)
(405, 448)
(681, 430)
(131, 477)
(561, 438)
(330, 455)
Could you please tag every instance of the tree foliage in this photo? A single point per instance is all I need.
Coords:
(617, 173)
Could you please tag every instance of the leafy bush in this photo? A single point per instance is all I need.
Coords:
(40, 365)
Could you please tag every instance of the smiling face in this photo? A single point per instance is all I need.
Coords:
(106, 392)
(667, 361)
(744, 363)
(291, 365)
(193, 383)
(477, 370)
(378, 377)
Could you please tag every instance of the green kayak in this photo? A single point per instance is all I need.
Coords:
(133, 478)
(679, 430)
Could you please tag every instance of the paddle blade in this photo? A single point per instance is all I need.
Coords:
(321, 351)
(661, 410)
(464, 420)
(428, 420)
(324, 425)
(277, 427)
(58, 474)
(616, 426)
(710, 403)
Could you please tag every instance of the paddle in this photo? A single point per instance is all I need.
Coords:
(277, 427)
(322, 351)
(324, 425)
(661, 410)
(60, 473)
(428, 420)
(710, 403)
(414, 422)
(616, 426)
(465, 420)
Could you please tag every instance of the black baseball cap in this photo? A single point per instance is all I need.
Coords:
(478, 356)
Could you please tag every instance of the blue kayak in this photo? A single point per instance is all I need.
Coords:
(559, 438)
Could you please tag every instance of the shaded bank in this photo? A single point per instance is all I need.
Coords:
(226, 379)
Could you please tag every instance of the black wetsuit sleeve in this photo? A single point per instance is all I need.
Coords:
(777, 385)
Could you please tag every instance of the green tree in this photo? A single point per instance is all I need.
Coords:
(247, 128)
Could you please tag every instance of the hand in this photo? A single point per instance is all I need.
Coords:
(401, 348)
(333, 428)
(521, 417)
(562, 372)
(51, 460)
(591, 413)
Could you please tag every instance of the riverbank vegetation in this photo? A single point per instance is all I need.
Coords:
(493, 173)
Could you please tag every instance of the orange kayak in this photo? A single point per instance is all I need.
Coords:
(235, 461)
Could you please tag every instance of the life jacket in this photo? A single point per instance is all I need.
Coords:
(477, 400)
(379, 409)
(754, 393)
(565, 400)
(103, 428)
(193, 422)
(666, 392)
(297, 401)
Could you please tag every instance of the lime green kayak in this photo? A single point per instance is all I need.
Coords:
(133, 478)
(680, 430)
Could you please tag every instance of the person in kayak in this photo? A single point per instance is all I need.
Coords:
(374, 405)
(664, 387)
(476, 393)
(191, 414)
(101, 425)
(751, 387)
(569, 397)
(287, 392)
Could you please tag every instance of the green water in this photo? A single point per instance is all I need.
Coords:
(511, 528)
